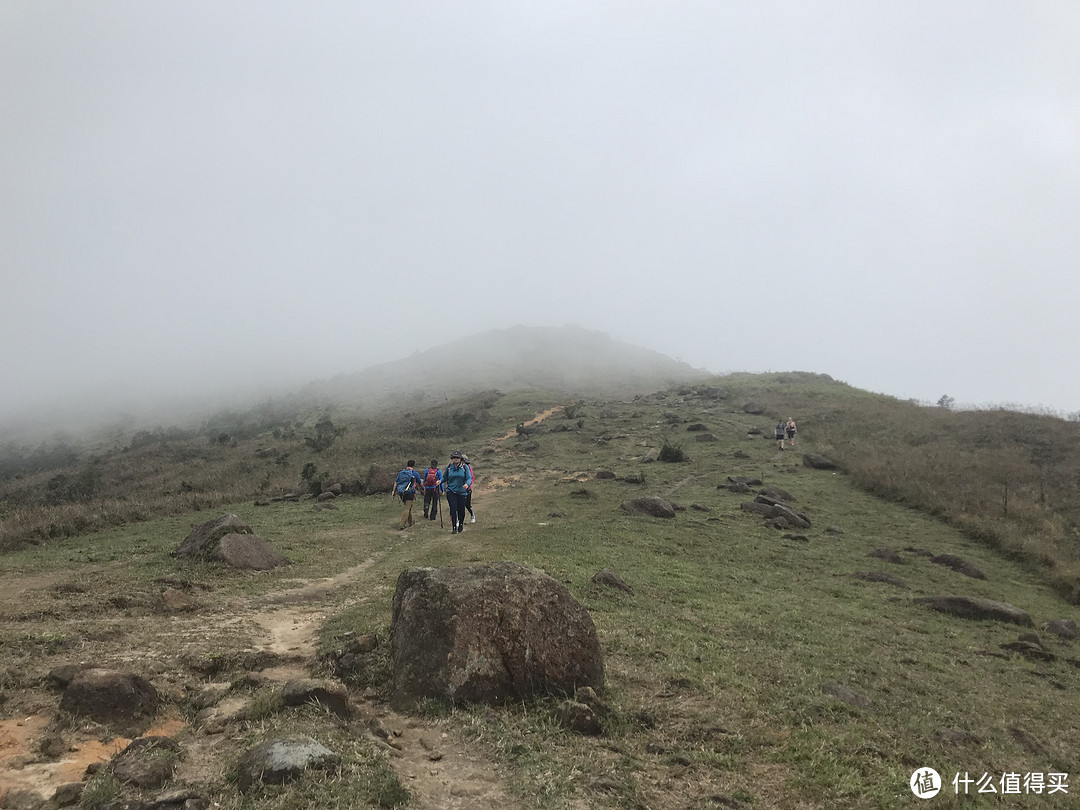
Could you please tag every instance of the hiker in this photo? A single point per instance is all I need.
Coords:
(405, 486)
(789, 429)
(456, 481)
(468, 494)
(780, 430)
(432, 490)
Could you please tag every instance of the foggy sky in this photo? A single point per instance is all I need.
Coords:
(198, 195)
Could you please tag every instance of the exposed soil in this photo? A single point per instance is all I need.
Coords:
(437, 768)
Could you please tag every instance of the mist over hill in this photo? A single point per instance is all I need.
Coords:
(563, 359)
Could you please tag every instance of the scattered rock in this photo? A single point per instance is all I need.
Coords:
(696, 427)
(605, 475)
(203, 540)
(651, 506)
(320, 692)
(888, 554)
(753, 408)
(278, 761)
(798, 538)
(833, 530)
(847, 694)
(67, 794)
(59, 677)
(972, 607)
(1063, 628)
(700, 507)
(777, 494)
(578, 717)
(921, 552)
(958, 564)
(818, 462)
(608, 577)
(741, 454)
(218, 717)
(880, 576)
(228, 539)
(1030, 646)
(322, 497)
(249, 552)
(489, 633)
(120, 700)
(705, 437)
(581, 493)
(738, 488)
(148, 762)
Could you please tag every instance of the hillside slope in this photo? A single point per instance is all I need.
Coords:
(751, 667)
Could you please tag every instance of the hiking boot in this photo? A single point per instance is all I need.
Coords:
(473, 519)
(425, 516)
(453, 531)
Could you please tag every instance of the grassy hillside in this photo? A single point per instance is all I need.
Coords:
(749, 669)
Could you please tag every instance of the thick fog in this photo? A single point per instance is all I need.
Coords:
(209, 197)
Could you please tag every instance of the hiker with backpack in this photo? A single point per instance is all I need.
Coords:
(456, 480)
(405, 486)
(432, 490)
(789, 429)
(468, 494)
(780, 434)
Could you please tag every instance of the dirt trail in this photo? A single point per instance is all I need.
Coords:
(439, 770)
(540, 417)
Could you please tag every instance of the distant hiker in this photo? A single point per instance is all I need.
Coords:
(405, 486)
(456, 480)
(432, 490)
(780, 434)
(789, 429)
(468, 495)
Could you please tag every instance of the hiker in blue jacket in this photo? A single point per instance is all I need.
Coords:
(456, 480)
(432, 490)
(406, 484)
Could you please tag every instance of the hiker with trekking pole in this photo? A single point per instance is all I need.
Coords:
(433, 487)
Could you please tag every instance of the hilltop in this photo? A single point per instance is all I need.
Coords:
(566, 359)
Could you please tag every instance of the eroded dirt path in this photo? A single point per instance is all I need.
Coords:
(540, 417)
(438, 768)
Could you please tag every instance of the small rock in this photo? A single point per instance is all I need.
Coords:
(282, 760)
(1063, 628)
(578, 717)
(958, 564)
(609, 578)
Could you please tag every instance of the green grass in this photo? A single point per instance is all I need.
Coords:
(714, 666)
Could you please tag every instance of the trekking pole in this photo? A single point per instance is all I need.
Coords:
(438, 504)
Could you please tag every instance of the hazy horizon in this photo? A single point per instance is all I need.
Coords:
(208, 196)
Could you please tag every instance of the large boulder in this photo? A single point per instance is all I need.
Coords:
(124, 702)
(488, 634)
(379, 482)
(229, 540)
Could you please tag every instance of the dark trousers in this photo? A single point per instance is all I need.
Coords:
(431, 503)
(468, 502)
(456, 502)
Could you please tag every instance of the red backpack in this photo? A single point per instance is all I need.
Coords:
(431, 477)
